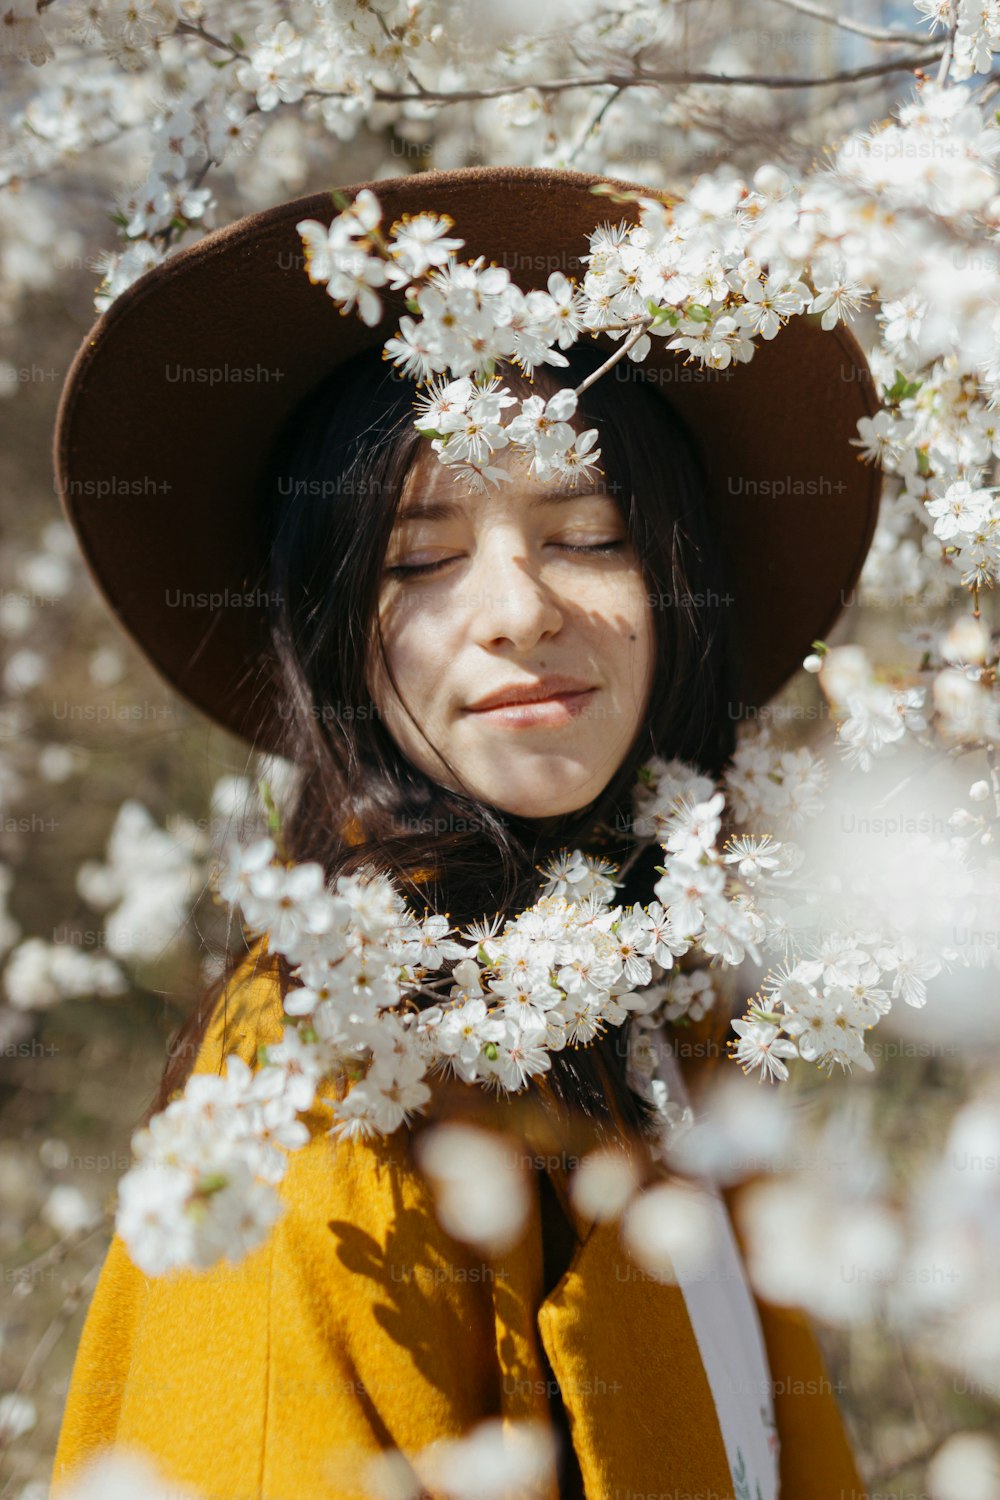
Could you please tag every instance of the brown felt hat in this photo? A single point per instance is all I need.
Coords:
(175, 397)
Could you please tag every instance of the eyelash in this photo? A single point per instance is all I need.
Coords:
(604, 547)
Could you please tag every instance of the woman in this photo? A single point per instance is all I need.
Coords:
(386, 628)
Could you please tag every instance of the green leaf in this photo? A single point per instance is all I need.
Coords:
(699, 313)
(430, 432)
(661, 313)
(605, 190)
(901, 388)
(273, 816)
(236, 40)
(412, 305)
(821, 647)
(212, 1183)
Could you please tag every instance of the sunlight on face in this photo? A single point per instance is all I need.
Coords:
(515, 590)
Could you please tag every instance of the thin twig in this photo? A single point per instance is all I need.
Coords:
(949, 49)
(619, 354)
(58, 1251)
(638, 79)
(187, 28)
(594, 123)
(873, 33)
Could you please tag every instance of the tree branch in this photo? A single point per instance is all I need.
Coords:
(640, 79)
(873, 33)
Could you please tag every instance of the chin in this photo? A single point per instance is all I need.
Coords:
(544, 810)
(556, 798)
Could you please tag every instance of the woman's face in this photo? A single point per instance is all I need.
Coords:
(514, 591)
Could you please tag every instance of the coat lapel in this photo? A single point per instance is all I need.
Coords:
(623, 1350)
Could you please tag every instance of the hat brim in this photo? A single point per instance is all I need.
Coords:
(175, 397)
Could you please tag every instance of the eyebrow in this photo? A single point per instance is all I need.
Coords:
(442, 510)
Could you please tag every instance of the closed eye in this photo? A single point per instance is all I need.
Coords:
(601, 547)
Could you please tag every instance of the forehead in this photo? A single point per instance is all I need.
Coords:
(433, 490)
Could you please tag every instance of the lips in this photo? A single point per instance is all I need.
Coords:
(540, 691)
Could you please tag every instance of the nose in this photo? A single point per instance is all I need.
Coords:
(512, 602)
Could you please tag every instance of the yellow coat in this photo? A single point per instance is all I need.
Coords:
(361, 1325)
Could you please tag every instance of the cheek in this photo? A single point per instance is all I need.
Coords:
(414, 647)
(631, 623)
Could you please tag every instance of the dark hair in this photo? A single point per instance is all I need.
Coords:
(329, 500)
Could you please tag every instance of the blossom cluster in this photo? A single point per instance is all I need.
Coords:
(383, 1001)
(366, 1006)
(680, 274)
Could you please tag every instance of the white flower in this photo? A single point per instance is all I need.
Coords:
(912, 966)
(354, 273)
(18, 1415)
(476, 432)
(762, 1046)
(542, 427)
(837, 295)
(443, 399)
(669, 1229)
(243, 863)
(284, 902)
(880, 437)
(558, 310)
(684, 891)
(692, 830)
(753, 857)
(68, 1211)
(273, 73)
(582, 458)
(152, 1218)
(496, 1458)
(960, 509)
(434, 945)
(873, 723)
(770, 301)
(121, 1474)
(462, 1032)
(691, 995)
(419, 243)
(318, 249)
(522, 1054)
(39, 974)
(417, 353)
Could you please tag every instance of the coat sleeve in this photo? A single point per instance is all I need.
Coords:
(123, 1382)
(357, 1327)
(100, 1372)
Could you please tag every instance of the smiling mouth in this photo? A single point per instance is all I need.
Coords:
(559, 708)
